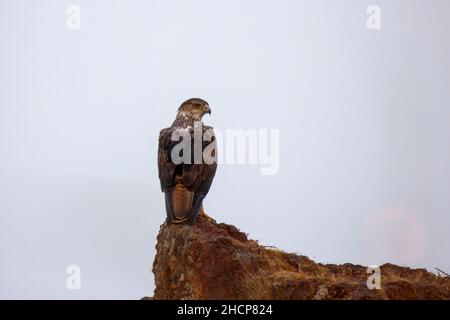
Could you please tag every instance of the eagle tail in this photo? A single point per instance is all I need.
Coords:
(177, 218)
(182, 205)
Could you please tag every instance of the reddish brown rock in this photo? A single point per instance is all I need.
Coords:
(217, 261)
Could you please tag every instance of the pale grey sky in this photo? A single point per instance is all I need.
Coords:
(363, 117)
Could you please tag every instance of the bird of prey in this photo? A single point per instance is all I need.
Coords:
(186, 183)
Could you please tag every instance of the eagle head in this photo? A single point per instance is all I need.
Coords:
(194, 108)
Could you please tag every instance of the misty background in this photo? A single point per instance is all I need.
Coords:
(363, 117)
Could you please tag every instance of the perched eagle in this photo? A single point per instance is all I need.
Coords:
(186, 183)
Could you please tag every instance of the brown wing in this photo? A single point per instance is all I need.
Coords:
(198, 177)
(166, 168)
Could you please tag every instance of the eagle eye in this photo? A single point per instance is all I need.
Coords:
(196, 105)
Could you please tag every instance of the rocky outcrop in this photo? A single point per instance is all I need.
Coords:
(216, 261)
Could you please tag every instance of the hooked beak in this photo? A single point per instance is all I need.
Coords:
(208, 110)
